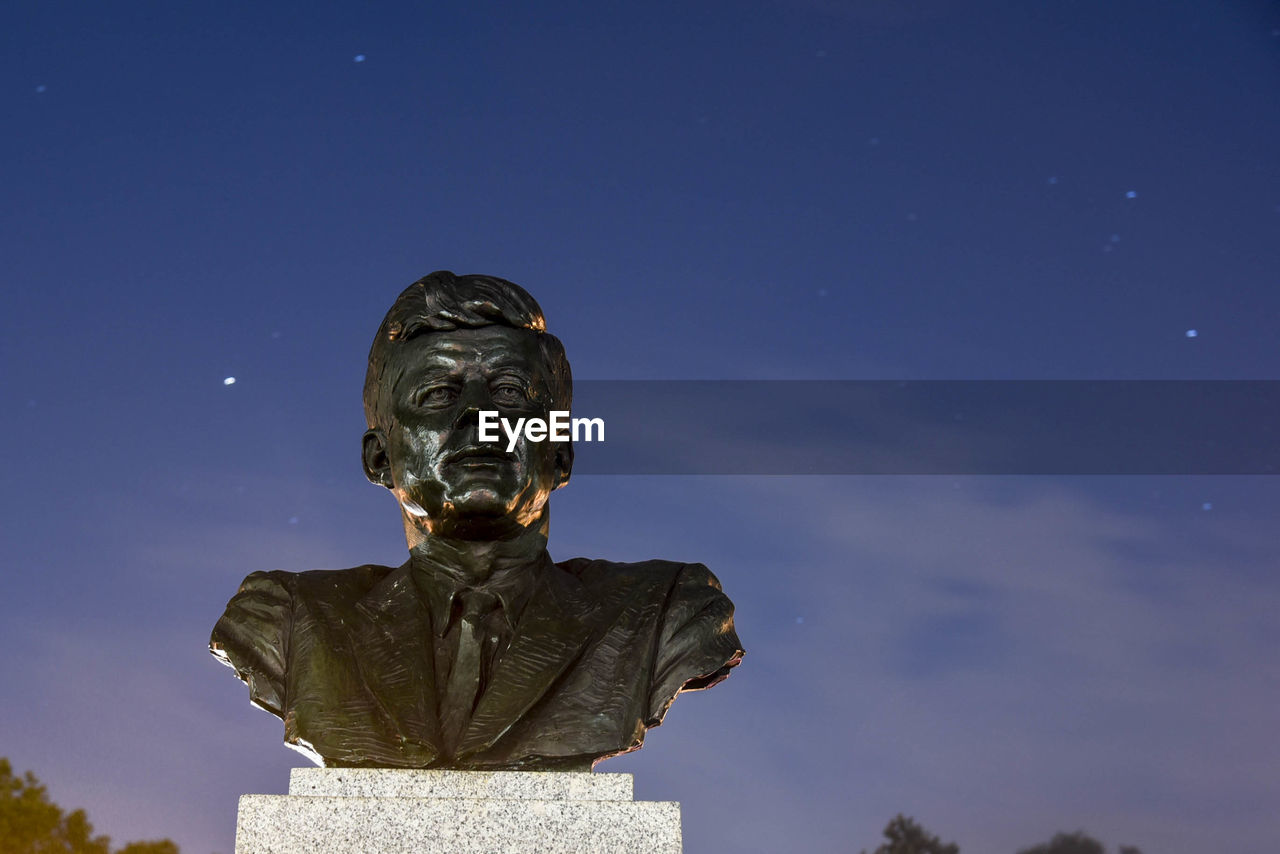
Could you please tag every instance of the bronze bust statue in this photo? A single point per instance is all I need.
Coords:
(479, 652)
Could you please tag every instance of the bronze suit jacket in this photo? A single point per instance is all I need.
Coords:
(598, 653)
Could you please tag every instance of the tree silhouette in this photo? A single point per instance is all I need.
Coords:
(906, 837)
(162, 846)
(30, 823)
(1074, 843)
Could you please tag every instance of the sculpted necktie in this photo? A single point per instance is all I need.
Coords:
(464, 676)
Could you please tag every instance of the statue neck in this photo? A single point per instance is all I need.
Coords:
(476, 562)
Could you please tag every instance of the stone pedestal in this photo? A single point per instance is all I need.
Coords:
(377, 811)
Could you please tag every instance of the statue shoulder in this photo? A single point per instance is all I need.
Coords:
(253, 634)
(336, 585)
(283, 585)
(696, 644)
(669, 575)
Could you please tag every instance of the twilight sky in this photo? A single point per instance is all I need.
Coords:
(756, 189)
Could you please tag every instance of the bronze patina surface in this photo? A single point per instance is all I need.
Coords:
(479, 652)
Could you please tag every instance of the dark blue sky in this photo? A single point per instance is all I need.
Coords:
(818, 189)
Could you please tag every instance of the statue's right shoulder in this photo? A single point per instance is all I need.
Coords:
(324, 583)
(272, 583)
(333, 586)
(253, 634)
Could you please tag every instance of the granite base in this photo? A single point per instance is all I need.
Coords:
(383, 811)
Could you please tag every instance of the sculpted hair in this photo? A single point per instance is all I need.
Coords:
(442, 302)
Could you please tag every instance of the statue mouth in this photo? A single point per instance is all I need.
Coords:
(477, 455)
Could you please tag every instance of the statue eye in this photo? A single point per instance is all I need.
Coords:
(508, 393)
(436, 395)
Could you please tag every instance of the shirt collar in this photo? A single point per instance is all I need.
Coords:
(512, 586)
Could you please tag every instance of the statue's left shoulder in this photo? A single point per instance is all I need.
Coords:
(681, 586)
(662, 574)
(696, 643)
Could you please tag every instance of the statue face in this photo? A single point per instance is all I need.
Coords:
(447, 482)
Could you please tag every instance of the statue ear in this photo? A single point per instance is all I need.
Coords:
(563, 463)
(377, 465)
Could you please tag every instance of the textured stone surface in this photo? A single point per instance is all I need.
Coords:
(424, 812)
(397, 783)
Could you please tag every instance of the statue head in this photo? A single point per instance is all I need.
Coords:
(450, 347)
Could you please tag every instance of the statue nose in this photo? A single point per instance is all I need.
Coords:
(475, 397)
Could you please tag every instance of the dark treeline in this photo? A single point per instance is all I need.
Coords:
(904, 836)
(30, 823)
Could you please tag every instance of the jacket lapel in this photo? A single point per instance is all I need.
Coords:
(396, 662)
(552, 631)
